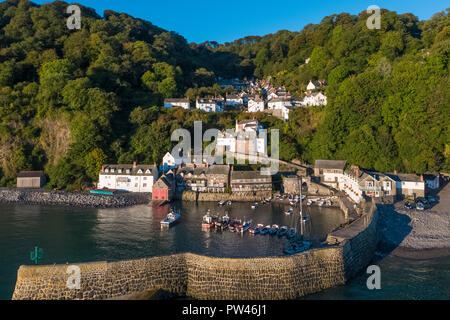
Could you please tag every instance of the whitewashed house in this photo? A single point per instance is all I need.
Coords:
(233, 100)
(315, 85)
(128, 177)
(209, 105)
(173, 103)
(272, 95)
(315, 99)
(279, 103)
(256, 105)
(245, 139)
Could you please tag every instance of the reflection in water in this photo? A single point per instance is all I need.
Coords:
(73, 235)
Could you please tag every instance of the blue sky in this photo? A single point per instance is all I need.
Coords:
(201, 20)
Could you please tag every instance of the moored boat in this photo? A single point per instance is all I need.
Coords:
(298, 248)
(171, 219)
(289, 212)
(292, 232)
(265, 230)
(255, 205)
(282, 232)
(274, 230)
(207, 220)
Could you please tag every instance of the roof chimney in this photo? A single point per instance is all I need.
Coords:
(134, 164)
(395, 172)
(103, 168)
(421, 177)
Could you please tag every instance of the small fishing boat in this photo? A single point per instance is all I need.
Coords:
(254, 230)
(282, 232)
(229, 203)
(265, 230)
(293, 202)
(245, 227)
(328, 203)
(298, 248)
(207, 220)
(321, 203)
(274, 230)
(226, 219)
(222, 203)
(289, 212)
(292, 232)
(254, 206)
(303, 197)
(171, 219)
(309, 203)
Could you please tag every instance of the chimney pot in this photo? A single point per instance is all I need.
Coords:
(134, 164)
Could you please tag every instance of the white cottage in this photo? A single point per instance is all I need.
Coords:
(256, 105)
(128, 177)
(173, 103)
(209, 105)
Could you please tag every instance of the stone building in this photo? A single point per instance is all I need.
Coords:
(291, 184)
(31, 179)
(250, 181)
(218, 177)
(330, 171)
(192, 178)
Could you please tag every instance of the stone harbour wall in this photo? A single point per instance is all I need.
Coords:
(208, 278)
(72, 199)
(216, 197)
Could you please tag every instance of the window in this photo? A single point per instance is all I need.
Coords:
(145, 185)
(145, 178)
(135, 185)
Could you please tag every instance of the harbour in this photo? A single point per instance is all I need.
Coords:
(75, 235)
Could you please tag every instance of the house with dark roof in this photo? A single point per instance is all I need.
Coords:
(192, 178)
(31, 179)
(250, 181)
(128, 177)
(330, 171)
(163, 189)
(218, 177)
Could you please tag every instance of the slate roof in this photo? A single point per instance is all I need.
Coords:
(331, 164)
(133, 170)
(30, 174)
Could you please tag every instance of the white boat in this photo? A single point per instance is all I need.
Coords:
(328, 203)
(229, 203)
(289, 212)
(221, 203)
(172, 218)
(254, 206)
(321, 203)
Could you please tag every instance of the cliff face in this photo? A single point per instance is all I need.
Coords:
(212, 278)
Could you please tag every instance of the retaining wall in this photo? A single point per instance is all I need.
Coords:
(207, 278)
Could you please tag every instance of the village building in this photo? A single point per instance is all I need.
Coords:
(315, 100)
(409, 185)
(173, 103)
(31, 179)
(250, 181)
(192, 178)
(256, 105)
(330, 171)
(245, 139)
(291, 184)
(357, 183)
(164, 188)
(128, 177)
(233, 101)
(315, 85)
(218, 177)
(209, 105)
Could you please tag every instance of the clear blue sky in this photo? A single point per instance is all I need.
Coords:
(201, 20)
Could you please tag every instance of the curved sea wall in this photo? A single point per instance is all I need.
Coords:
(72, 199)
(208, 278)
